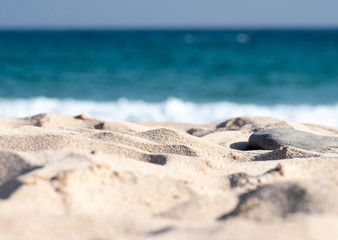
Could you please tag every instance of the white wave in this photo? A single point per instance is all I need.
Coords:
(170, 110)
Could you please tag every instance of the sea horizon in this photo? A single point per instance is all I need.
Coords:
(160, 28)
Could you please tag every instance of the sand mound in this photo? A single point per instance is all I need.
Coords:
(65, 177)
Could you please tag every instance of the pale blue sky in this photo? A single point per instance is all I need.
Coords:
(167, 13)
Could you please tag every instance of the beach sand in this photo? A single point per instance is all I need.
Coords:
(66, 177)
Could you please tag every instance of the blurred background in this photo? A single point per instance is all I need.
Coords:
(188, 61)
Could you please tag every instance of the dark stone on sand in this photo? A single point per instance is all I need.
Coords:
(197, 132)
(239, 179)
(278, 137)
(273, 201)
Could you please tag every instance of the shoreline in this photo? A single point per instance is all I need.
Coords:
(77, 177)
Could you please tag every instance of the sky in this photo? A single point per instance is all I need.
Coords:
(167, 13)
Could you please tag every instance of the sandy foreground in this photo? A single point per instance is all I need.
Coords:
(66, 177)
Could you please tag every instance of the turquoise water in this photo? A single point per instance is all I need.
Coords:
(289, 74)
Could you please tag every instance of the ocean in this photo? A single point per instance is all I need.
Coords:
(198, 76)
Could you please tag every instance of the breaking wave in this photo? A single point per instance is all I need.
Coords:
(172, 109)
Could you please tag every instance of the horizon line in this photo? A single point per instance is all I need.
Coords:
(168, 28)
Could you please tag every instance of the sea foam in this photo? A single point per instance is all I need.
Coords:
(172, 109)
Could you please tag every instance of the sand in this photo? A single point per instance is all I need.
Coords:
(66, 177)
